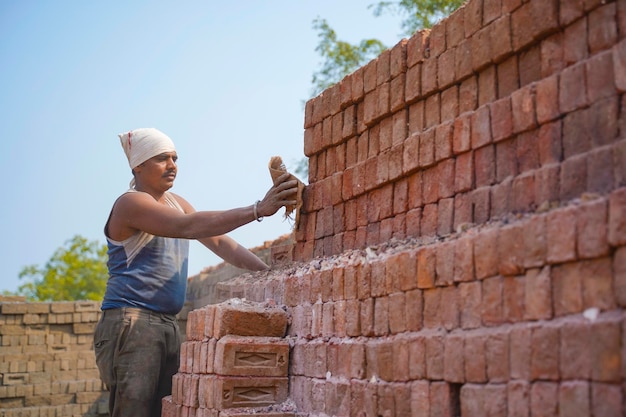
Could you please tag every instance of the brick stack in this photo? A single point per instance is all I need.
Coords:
(234, 362)
(47, 363)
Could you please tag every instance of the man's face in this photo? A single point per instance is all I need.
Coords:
(158, 171)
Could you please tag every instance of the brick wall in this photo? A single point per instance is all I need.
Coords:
(462, 245)
(47, 364)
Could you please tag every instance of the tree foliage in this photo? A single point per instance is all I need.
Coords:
(340, 58)
(417, 14)
(76, 271)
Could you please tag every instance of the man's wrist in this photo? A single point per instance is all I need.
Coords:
(256, 211)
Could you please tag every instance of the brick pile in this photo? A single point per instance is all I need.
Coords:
(234, 363)
(462, 244)
(47, 364)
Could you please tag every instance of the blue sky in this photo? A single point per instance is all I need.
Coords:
(225, 80)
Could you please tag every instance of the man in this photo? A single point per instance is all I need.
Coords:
(137, 340)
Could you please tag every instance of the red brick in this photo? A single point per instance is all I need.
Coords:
(463, 259)
(598, 288)
(468, 95)
(513, 289)
(413, 222)
(492, 313)
(485, 253)
(619, 268)
(462, 210)
(402, 269)
(547, 184)
(432, 307)
(438, 38)
(573, 177)
(473, 18)
(500, 33)
(417, 355)
(530, 66)
(470, 305)
(428, 224)
(449, 104)
(251, 356)
(523, 109)
(249, 319)
(549, 143)
(474, 357)
(591, 231)
(461, 139)
(567, 287)
(520, 352)
(570, 11)
(574, 399)
(481, 127)
(501, 119)
(575, 350)
(575, 47)
(472, 400)
(600, 171)
(413, 83)
(453, 358)
(363, 397)
(429, 76)
(432, 111)
(544, 399)
(552, 61)
(571, 95)
(497, 350)
(606, 399)
(523, 193)
(427, 148)
(518, 404)
(619, 65)
(420, 399)
(617, 218)
(410, 159)
(544, 361)
(480, 44)
(510, 250)
(495, 399)
(538, 295)
(416, 47)
(527, 152)
(561, 235)
(605, 350)
(599, 76)
(464, 172)
(449, 314)
(506, 162)
(443, 141)
(521, 26)
(602, 28)
(487, 86)
(381, 316)
(485, 166)
(508, 77)
(446, 65)
(434, 355)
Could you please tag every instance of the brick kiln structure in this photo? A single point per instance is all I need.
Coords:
(462, 245)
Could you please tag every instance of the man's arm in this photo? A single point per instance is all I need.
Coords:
(233, 253)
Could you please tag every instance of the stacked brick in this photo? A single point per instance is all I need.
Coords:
(47, 364)
(504, 106)
(234, 363)
(463, 236)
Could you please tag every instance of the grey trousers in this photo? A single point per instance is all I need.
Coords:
(137, 353)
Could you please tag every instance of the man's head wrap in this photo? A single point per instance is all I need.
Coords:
(142, 144)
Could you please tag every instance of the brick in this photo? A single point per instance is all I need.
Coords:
(538, 294)
(573, 177)
(426, 262)
(492, 313)
(567, 287)
(510, 244)
(619, 272)
(600, 77)
(472, 400)
(606, 399)
(591, 230)
(475, 360)
(485, 253)
(570, 11)
(500, 36)
(506, 163)
(513, 290)
(549, 143)
(441, 403)
(246, 318)
(518, 404)
(485, 166)
(530, 66)
(434, 356)
(508, 77)
(619, 65)
(470, 305)
(480, 44)
(561, 235)
(461, 140)
(497, 350)
(523, 109)
(571, 95)
(468, 95)
(575, 45)
(220, 392)
(544, 399)
(617, 218)
(552, 60)
(597, 283)
(251, 356)
(575, 350)
(501, 119)
(605, 351)
(574, 399)
(520, 352)
(420, 399)
(544, 361)
(602, 28)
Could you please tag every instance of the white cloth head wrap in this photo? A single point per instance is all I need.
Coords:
(142, 144)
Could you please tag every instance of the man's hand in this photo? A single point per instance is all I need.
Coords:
(283, 193)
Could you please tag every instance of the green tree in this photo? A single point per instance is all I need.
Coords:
(340, 58)
(76, 271)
